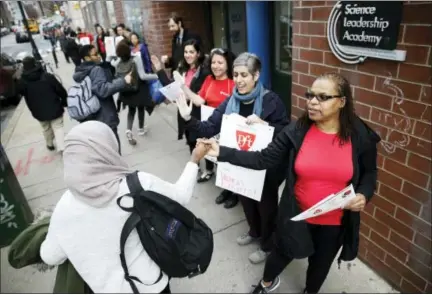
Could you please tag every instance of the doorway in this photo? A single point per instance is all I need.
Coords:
(281, 13)
(228, 25)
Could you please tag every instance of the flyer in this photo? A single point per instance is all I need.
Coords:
(172, 91)
(330, 203)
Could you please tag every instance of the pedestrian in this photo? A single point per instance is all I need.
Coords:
(217, 87)
(86, 224)
(100, 42)
(63, 45)
(328, 148)
(260, 106)
(82, 33)
(46, 98)
(180, 36)
(193, 71)
(137, 97)
(72, 48)
(103, 86)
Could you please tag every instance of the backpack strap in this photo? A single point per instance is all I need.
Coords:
(130, 224)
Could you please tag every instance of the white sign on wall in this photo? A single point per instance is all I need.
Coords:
(235, 133)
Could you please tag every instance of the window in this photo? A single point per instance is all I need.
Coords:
(111, 13)
(132, 13)
(283, 36)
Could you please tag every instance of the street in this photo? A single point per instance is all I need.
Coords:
(20, 50)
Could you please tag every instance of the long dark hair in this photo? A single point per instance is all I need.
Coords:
(347, 113)
(141, 40)
(183, 66)
(229, 58)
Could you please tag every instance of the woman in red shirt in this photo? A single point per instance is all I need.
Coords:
(216, 88)
(100, 42)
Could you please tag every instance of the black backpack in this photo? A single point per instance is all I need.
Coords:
(178, 242)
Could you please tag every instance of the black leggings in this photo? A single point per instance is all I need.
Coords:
(326, 241)
(131, 117)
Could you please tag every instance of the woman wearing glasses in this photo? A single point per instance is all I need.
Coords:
(328, 148)
(260, 106)
(216, 88)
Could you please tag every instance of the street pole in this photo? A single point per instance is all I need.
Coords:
(36, 53)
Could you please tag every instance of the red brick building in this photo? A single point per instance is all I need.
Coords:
(394, 97)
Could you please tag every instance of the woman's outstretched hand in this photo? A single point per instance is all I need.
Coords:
(212, 144)
(156, 63)
(185, 108)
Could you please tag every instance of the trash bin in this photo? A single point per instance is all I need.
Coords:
(15, 212)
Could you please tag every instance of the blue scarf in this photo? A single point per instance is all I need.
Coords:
(236, 99)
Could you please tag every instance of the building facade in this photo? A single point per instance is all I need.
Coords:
(394, 97)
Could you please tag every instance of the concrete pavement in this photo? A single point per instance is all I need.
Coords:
(161, 154)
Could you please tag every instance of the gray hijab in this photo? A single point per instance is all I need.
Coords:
(93, 167)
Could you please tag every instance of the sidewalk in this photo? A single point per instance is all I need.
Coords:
(40, 174)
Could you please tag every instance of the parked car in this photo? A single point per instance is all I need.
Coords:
(4, 31)
(10, 73)
(21, 36)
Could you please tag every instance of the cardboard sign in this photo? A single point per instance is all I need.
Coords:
(110, 46)
(84, 41)
(235, 133)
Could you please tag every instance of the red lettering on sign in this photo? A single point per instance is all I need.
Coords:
(245, 140)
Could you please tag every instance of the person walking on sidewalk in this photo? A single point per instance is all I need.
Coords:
(136, 97)
(72, 48)
(87, 222)
(46, 98)
(103, 86)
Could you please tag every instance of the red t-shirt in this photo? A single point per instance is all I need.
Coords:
(214, 92)
(101, 45)
(323, 167)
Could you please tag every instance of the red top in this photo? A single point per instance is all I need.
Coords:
(90, 36)
(214, 92)
(189, 76)
(323, 167)
(101, 45)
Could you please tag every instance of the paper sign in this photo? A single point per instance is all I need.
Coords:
(235, 133)
(172, 91)
(110, 46)
(330, 203)
(84, 41)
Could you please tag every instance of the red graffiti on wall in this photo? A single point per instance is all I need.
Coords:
(23, 165)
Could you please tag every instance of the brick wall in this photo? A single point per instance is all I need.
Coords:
(395, 99)
(155, 22)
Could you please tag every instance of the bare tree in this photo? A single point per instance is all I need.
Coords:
(31, 11)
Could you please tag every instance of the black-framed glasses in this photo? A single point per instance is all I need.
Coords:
(320, 97)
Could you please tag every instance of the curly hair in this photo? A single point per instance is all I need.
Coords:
(347, 113)
(123, 50)
(183, 65)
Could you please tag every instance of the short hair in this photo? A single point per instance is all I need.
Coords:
(29, 62)
(177, 19)
(250, 60)
(85, 50)
(73, 34)
(123, 51)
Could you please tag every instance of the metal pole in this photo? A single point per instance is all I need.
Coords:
(36, 53)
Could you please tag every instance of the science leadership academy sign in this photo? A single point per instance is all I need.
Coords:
(360, 29)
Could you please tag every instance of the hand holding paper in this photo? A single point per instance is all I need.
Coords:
(185, 108)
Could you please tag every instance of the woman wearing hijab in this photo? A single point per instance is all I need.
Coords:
(86, 224)
(260, 106)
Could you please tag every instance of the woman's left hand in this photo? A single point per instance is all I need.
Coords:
(357, 204)
(178, 77)
(254, 119)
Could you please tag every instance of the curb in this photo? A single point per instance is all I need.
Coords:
(10, 128)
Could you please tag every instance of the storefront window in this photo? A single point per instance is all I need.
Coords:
(132, 13)
(111, 13)
(283, 30)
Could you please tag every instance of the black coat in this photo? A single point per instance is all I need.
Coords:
(72, 49)
(177, 49)
(293, 238)
(195, 87)
(44, 94)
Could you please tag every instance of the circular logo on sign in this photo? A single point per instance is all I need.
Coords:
(332, 38)
(317, 211)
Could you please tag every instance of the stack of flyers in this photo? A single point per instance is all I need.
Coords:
(330, 203)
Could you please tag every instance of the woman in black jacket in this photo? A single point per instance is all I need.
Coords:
(194, 73)
(328, 148)
(46, 98)
(261, 106)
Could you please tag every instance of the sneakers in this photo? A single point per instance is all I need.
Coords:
(261, 289)
(142, 131)
(245, 239)
(130, 137)
(258, 256)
